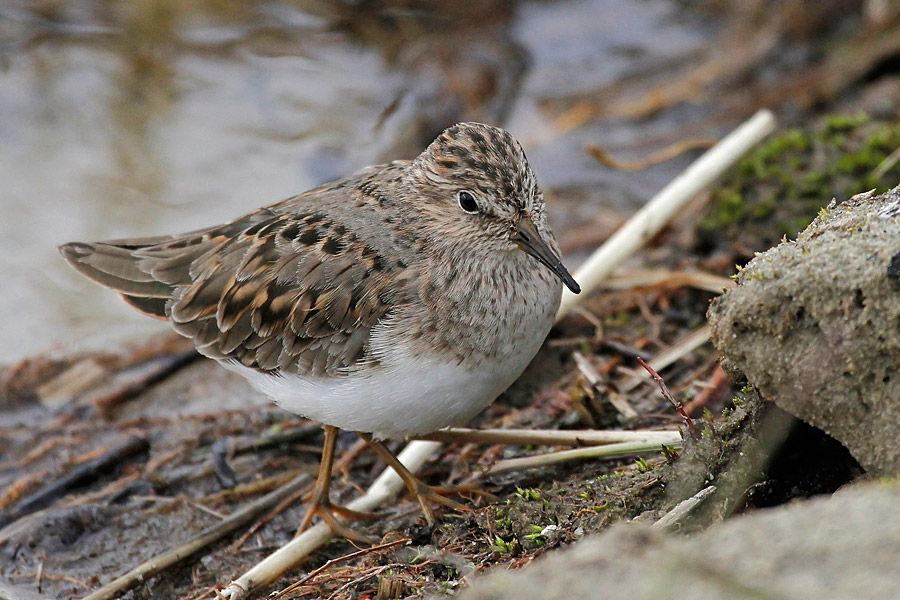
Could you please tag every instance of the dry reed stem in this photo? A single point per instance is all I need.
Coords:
(654, 215)
(548, 437)
(607, 451)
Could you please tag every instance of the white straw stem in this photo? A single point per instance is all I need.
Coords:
(554, 437)
(654, 215)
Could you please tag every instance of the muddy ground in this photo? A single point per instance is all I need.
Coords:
(108, 458)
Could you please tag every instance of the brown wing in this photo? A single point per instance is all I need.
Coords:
(296, 292)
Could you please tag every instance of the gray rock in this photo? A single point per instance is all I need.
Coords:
(815, 327)
(844, 546)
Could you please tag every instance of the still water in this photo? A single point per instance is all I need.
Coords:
(137, 118)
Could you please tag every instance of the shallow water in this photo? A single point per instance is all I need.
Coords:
(141, 118)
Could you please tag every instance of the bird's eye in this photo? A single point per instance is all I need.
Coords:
(467, 202)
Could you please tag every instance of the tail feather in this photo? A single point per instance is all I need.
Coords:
(171, 266)
(152, 307)
(116, 268)
(149, 272)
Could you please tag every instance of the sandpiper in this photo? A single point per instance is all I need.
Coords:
(397, 301)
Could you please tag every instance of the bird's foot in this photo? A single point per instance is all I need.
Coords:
(426, 494)
(329, 512)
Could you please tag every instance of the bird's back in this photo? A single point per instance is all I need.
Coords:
(294, 287)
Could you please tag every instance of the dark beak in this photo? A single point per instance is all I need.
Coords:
(529, 240)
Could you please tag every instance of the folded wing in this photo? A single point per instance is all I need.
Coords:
(295, 292)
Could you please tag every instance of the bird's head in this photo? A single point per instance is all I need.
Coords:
(475, 182)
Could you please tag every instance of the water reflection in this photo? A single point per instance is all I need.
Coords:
(123, 119)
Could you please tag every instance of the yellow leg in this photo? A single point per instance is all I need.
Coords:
(422, 492)
(320, 504)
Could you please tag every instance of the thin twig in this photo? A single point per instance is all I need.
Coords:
(625, 349)
(593, 320)
(642, 278)
(681, 348)
(546, 437)
(342, 463)
(252, 488)
(274, 512)
(373, 572)
(663, 155)
(668, 396)
(610, 450)
(54, 577)
(179, 500)
(276, 440)
(209, 535)
(718, 380)
(670, 355)
(11, 592)
(298, 584)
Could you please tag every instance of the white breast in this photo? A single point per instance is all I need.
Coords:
(408, 395)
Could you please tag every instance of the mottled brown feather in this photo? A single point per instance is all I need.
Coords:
(287, 287)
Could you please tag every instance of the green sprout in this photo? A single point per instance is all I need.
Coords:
(528, 494)
(502, 546)
(643, 465)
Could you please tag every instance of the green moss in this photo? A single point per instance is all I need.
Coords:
(837, 123)
(779, 188)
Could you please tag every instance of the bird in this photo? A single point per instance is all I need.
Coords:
(397, 301)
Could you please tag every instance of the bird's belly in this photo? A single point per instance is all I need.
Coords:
(411, 396)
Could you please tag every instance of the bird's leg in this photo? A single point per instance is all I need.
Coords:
(421, 491)
(320, 503)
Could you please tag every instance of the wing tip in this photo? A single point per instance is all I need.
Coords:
(75, 251)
